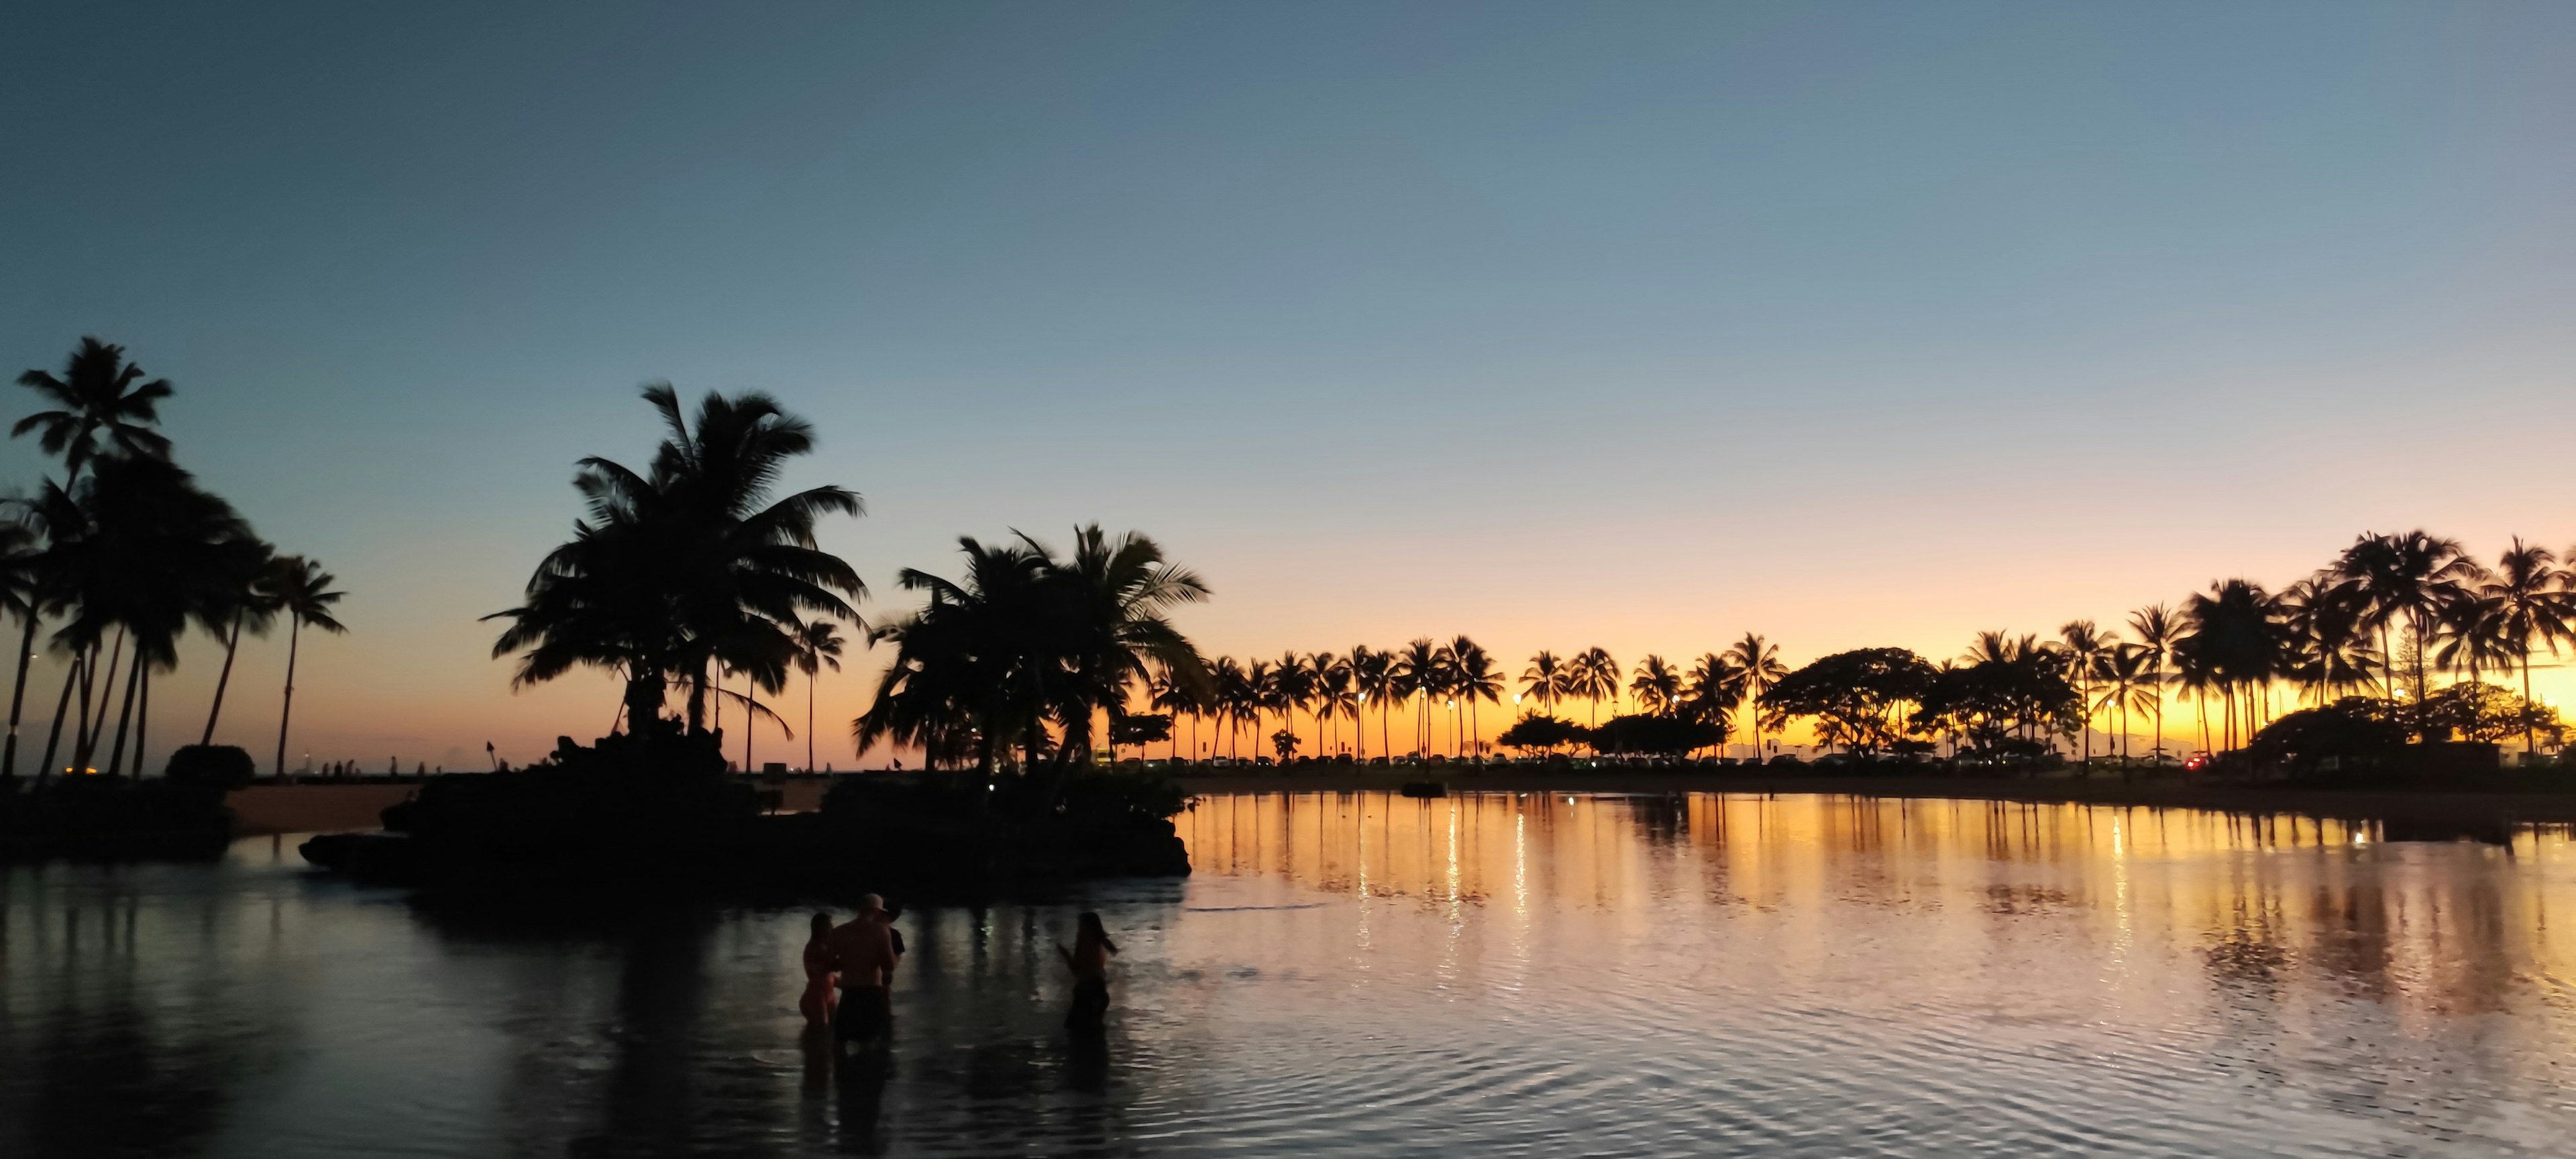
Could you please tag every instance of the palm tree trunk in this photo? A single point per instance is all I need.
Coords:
(125, 711)
(286, 710)
(2529, 743)
(91, 726)
(810, 678)
(27, 653)
(62, 707)
(143, 723)
(231, 643)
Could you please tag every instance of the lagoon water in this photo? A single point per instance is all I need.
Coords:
(1361, 974)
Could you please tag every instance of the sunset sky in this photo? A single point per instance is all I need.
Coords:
(1639, 326)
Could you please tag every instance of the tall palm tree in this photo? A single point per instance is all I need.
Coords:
(1472, 678)
(1656, 686)
(2157, 630)
(970, 676)
(1417, 676)
(690, 566)
(2235, 638)
(2534, 602)
(238, 599)
(818, 646)
(1716, 687)
(1261, 688)
(1546, 680)
(1292, 687)
(1228, 694)
(100, 407)
(2328, 650)
(2406, 578)
(2084, 645)
(1759, 661)
(1373, 672)
(1333, 693)
(2128, 681)
(1595, 675)
(1122, 594)
(22, 594)
(304, 595)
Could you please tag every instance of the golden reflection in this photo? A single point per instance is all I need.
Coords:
(2245, 900)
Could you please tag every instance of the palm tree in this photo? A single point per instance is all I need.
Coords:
(1472, 678)
(2157, 632)
(2405, 578)
(1759, 662)
(2129, 679)
(2235, 640)
(1657, 686)
(2084, 647)
(818, 644)
(2328, 648)
(1545, 680)
(1417, 675)
(1229, 692)
(22, 594)
(1716, 687)
(2533, 602)
(1292, 687)
(1595, 675)
(304, 594)
(688, 567)
(1122, 595)
(97, 399)
(968, 678)
(238, 599)
(1333, 692)
(1374, 673)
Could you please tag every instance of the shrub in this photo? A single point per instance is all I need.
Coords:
(219, 766)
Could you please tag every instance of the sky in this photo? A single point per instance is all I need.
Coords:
(1639, 326)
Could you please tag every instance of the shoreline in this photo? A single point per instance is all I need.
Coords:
(2470, 807)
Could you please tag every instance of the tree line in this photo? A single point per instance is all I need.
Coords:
(121, 556)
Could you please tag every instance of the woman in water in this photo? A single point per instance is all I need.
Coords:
(818, 1000)
(1089, 961)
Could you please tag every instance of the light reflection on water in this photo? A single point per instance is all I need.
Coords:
(1367, 974)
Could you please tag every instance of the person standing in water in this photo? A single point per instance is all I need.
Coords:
(1088, 958)
(818, 1002)
(863, 950)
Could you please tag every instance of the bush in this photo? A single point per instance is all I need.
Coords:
(219, 766)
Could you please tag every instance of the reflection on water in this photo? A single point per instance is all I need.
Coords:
(1366, 974)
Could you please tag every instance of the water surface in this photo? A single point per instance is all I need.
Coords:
(1360, 974)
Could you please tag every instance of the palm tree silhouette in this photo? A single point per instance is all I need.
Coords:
(1230, 695)
(690, 566)
(1333, 693)
(2157, 632)
(2084, 647)
(97, 400)
(964, 681)
(1759, 662)
(818, 644)
(1657, 686)
(304, 594)
(1595, 675)
(2235, 641)
(2532, 602)
(1545, 680)
(1291, 688)
(238, 598)
(1716, 687)
(2405, 578)
(1417, 676)
(1373, 672)
(1472, 678)
(2128, 676)
(23, 577)
(2328, 650)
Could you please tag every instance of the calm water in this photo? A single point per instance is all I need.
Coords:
(1365, 975)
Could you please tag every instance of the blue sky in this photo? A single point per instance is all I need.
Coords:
(1556, 325)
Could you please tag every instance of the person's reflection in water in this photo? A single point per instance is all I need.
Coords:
(862, 1081)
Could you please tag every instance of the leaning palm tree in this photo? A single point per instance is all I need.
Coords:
(304, 595)
(1656, 686)
(22, 594)
(100, 407)
(2157, 632)
(818, 646)
(237, 598)
(2533, 603)
(1759, 662)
